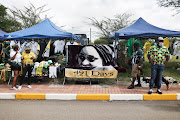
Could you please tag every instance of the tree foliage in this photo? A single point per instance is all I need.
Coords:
(108, 26)
(29, 16)
(102, 41)
(175, 4)
(8, 24)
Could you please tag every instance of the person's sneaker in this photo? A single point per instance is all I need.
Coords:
(138, 85)
(159, 91)
(20, 87)
(150, 91)
(29, 86)
(131, 86)
(14, 88)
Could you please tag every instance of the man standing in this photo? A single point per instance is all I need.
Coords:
(158, 56)
(137, 60)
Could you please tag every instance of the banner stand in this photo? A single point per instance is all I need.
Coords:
(90, 79)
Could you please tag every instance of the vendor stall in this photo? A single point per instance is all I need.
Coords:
(41, 38)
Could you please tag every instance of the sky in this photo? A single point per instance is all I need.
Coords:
(73, 14)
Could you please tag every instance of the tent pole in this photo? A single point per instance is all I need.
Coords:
(115, 48)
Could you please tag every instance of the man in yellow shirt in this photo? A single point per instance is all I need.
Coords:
(28, 59)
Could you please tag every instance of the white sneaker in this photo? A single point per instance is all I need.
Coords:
(29, 86)
(14, 88)
(17, 86)
(20, 87)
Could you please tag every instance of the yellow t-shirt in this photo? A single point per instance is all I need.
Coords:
(166, 42)
(27, 57)
(146, 47)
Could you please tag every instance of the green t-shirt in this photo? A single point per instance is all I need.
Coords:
(130, 43)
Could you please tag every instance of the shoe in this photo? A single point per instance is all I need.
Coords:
(159, 91)
(20, 87)
(14, 88)
(17, 86)
(29, 86)
(138, 85)
(150, 91)
(131, 86)
(168, 85)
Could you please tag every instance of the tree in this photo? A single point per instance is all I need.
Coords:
(175, 4)
(108, 26)
(29, 16)
(102, 40)
(7, 24)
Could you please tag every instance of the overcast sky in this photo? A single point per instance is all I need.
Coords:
(74, 13)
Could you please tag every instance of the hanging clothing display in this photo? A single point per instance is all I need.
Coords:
(6, 52)
(52, 72)
(52, 49)
(46, 70)
(39, 70)
(176, 47)
(166, 42)
(47, 50)
(130, 43)
(146, 47)
(13, 42)
(59, 46)
(171, 50)
(35, 48)
(0, 52)
(42, 48)
(23, 46)
(69, 43)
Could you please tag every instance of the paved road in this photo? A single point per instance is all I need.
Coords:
(89, 110)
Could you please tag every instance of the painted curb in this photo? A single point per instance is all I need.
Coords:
(126, 97)
(31, 96)
(92, 96)
(7, 95)
(111, 97)
(61, 96)
(160, 97)
(178, 96)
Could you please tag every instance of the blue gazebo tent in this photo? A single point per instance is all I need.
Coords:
(45, 29)
(2, 33)
(141, 28)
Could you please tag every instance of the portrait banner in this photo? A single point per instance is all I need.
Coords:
(91, 61)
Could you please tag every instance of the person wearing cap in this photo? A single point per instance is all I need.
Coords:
(15, 64)
(28, 59)
(158, 56)
(137, 64)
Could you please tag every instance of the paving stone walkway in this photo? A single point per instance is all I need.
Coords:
(86, 89)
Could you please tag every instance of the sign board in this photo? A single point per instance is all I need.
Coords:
(91, 61)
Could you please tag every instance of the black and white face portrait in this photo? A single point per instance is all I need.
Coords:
(89, 57)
